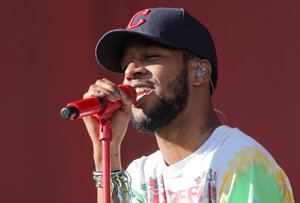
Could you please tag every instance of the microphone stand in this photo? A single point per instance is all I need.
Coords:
(106, 138)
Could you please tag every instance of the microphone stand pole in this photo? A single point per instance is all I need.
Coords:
(106, 138)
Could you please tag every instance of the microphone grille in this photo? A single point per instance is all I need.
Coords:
(70, 112)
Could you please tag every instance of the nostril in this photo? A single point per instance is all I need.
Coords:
(135, 71)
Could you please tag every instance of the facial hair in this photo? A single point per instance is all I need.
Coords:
(166, 110)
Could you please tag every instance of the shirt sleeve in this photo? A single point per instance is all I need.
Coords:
(253, 177)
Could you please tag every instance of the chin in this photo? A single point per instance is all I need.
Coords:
(138, 114)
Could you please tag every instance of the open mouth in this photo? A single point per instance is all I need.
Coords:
(142, 92)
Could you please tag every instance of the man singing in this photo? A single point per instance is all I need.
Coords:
(169, 58)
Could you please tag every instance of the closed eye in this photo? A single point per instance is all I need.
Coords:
(152, 56)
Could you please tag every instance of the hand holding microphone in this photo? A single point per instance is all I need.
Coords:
(102, 98)
(95, 105)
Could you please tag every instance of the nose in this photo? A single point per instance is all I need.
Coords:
(135, 71)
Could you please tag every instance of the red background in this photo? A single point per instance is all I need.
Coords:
(47, 60)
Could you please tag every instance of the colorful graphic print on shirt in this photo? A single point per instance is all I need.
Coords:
(204, 190)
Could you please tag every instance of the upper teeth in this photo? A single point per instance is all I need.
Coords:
(141, 89)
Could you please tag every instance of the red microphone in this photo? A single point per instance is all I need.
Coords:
(94, 105)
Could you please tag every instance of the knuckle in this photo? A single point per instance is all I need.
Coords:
(92, 86)
(85, 95)
(99, 81)
(96, 92)
(114, 87)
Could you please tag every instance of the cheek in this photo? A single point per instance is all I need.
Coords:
(167, 87)
(164, 78)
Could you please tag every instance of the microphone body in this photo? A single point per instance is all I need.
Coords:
(94, 105)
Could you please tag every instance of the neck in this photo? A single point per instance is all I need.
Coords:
(185, 135)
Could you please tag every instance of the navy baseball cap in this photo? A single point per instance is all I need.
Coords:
(172, 27)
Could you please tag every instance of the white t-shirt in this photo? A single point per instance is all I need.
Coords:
(229, 167)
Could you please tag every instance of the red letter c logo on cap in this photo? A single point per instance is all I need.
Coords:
(141, 21)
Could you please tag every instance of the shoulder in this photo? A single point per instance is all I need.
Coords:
(234, 143)
(238, 151)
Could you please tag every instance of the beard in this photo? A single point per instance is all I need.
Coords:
(166, 110)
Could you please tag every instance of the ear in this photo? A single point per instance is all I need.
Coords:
(202, 71)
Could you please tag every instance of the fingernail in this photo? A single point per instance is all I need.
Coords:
(112, 98)
(117, 94)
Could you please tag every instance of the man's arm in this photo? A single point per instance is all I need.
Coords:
(254, 177)
(119, 120)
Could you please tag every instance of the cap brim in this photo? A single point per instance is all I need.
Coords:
(109, 50)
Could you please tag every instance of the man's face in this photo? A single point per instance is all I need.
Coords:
(159, 76)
